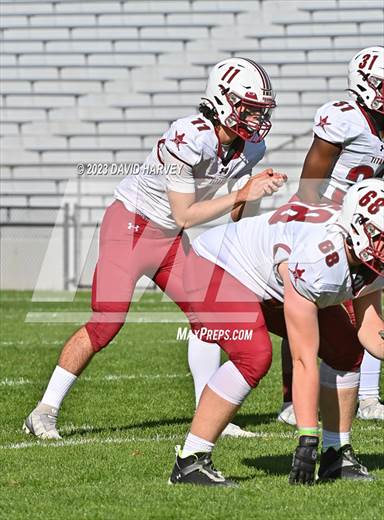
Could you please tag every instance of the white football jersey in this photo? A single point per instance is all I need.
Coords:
(362, 155)
(307, 237)
(188, 159)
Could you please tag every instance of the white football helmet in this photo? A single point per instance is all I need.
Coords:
(240, 92)
(366, 78)
(362, 217)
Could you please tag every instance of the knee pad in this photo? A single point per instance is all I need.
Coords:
(332, 378)
(229, 384)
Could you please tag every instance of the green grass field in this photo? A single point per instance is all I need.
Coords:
(121, 422)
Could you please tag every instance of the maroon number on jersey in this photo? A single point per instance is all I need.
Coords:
(364, 171)
(365, 59)
(376, 204)
(331, 258)
(300, 213)
(346, 106)
(200, 124)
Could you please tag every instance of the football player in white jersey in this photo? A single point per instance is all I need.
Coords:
(142, 231)
(288, 272)
(347, 147)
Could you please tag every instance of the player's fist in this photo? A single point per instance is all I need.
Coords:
(304, 461)
(265, 183)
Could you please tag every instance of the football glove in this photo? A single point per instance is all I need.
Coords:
(304, 461)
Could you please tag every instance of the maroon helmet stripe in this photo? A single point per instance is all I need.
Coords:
(264, 76)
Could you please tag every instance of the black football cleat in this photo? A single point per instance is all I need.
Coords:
(197, 469)
(342, 464)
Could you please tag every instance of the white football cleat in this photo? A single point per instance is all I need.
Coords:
(41, 422)
(287, 414)
(232, 430)
(370, 408)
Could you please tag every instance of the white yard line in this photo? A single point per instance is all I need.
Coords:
(15, 382)
(119, 440)
(106, 377)
(65, 298)
(36, 342)
(82, 317)
(94, 441)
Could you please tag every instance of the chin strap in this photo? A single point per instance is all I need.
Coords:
(233, 148)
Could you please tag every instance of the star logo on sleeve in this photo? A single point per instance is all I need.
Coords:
(178, 140)
(323, 123)
(297, 273)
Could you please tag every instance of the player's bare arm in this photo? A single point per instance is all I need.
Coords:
(318, 164)
(370, 323)
(187, 212)
(244, 210)
(250, 208)
(303, 333)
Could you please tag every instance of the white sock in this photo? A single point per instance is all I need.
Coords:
(369, 377)
(204, 360)
(335, 439)
(194, 444)
(58, 387)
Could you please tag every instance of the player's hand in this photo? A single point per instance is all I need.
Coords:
(265, 183)
(304, 461)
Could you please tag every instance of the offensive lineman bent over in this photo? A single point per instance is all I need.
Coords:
(312, 259)
(347, 147)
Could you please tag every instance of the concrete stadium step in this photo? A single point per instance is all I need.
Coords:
(351, 3)
(119, 7)
(318, 57)
(59, 127)
(18, 156)
(364, 28)
(57, 170)
(84, 22)
(30, 200)
(138, 19)
(339, 5)
(139, 127)
(77, 128)
(76, 73)
(9, 129)
(51, 87)
(48, 142)
(346, 14)
(86, 112)
(301, 40)
(75, 58)
(22, 115)
(20, 100)
(268, 49)
(110, 32)
(116, 99)
(83, 43)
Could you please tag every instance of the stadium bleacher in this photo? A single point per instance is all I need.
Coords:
(100, 80)
(97, 63)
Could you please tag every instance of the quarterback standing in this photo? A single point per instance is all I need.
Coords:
(142, 231)
(288, 272)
